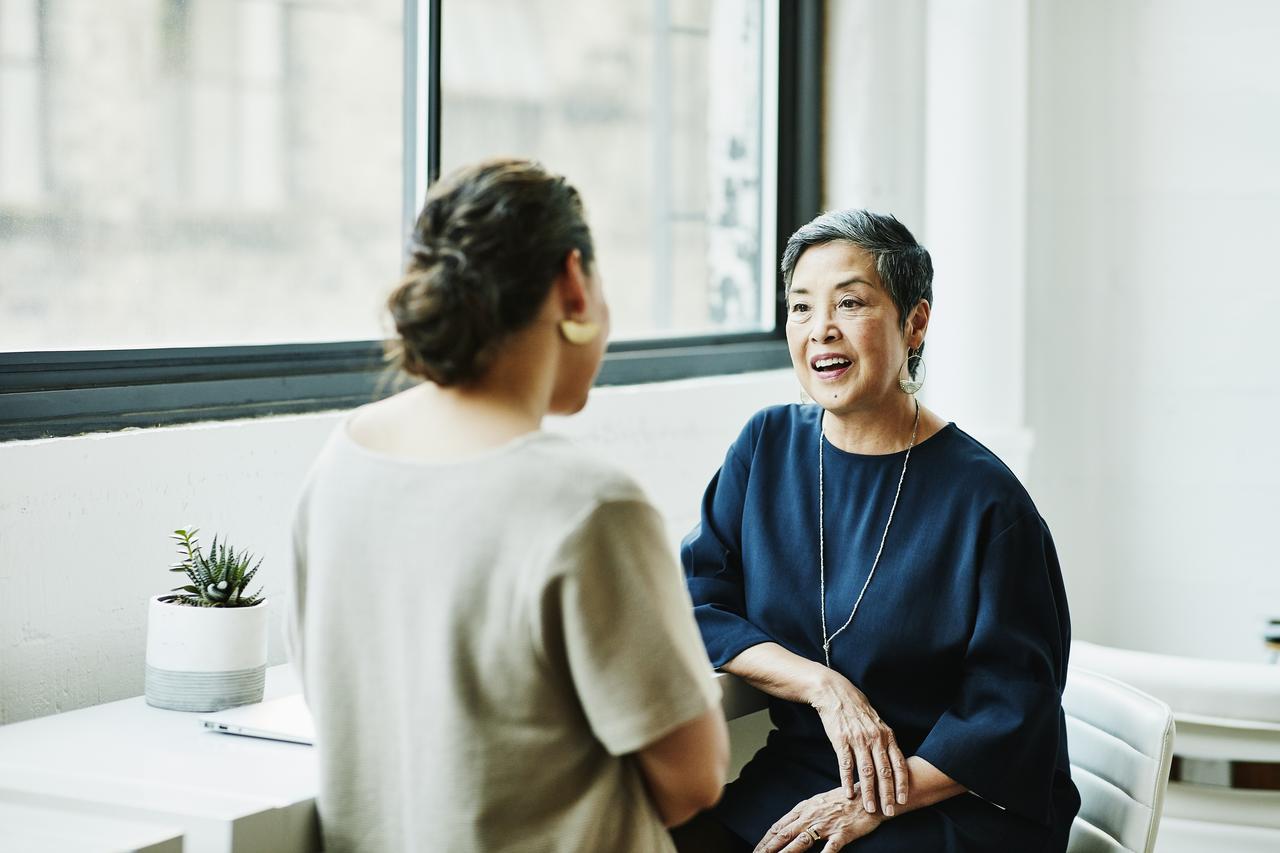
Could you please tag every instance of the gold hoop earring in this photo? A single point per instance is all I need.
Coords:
(579, 332)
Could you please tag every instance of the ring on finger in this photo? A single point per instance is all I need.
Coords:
(812, 832)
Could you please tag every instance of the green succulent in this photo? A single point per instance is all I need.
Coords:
(218, 580)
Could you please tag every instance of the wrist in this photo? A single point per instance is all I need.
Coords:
(866, 818)
(820, 685)
(812, 683)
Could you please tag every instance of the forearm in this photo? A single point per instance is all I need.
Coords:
(929, 785)
(684, 771)
(770, 668)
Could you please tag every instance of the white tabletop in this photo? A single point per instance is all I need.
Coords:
(129, 761)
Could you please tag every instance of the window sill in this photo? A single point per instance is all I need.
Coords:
(50, 394)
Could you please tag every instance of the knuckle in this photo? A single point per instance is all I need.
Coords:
(886, 771)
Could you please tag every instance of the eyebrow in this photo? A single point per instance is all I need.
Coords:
(857, 279)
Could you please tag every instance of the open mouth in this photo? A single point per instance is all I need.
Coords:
(830, 365)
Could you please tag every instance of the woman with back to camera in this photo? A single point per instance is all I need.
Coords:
(493, 636)
(887, 581)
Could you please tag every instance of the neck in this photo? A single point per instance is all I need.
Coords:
(514, 395)
(886, 429)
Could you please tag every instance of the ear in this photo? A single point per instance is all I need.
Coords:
(918, 324)
(573, 285)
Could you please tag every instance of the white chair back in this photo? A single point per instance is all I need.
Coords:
(1121, 743)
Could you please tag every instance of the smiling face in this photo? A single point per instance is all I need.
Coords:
(846, 340)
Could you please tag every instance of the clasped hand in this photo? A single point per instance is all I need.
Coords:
(833, 817)
(870, 763)
(868, 754)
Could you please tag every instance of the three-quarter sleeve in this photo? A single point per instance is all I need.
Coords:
(617, 617)
(1000, 737)
(712, 559)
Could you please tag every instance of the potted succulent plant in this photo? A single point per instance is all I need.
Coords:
(207, 639)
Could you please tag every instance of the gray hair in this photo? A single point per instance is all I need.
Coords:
(904, 266)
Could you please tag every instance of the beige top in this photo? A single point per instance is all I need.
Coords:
(482, 643)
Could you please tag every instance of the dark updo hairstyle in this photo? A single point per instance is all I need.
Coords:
(489, 242)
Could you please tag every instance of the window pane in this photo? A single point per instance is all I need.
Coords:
(198, 172)
(652, 108)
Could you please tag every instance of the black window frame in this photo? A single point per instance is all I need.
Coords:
(48, 394)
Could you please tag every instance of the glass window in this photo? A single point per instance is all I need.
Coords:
(654, 109)
(203, 202)
(21, 146)
(198, 172)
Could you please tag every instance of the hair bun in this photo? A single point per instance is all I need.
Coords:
(490, 240)
(446, 317)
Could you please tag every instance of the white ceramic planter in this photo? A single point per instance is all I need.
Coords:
(205, 658)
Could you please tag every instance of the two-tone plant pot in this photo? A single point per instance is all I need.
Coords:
(205, 658)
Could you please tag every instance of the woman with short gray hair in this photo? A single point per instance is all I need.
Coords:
(888, 582)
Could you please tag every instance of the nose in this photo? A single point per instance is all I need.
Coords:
(824, 329)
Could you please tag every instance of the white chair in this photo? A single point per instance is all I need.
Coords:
(1225, 711)
(1121, 744)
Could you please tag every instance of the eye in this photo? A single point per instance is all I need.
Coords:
(799, 308)
(849, 303)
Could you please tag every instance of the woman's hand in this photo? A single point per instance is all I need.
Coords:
(832, 816)
(865, 747)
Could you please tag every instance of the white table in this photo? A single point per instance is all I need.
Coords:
(33, 829)
(128, 761)
(138, 776)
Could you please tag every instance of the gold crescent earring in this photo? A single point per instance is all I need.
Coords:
(579, 332)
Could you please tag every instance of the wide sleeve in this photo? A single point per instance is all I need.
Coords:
(712, 559)
(1001, 735)
(619, 618)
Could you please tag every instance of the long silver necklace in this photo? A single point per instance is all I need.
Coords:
(822, 556)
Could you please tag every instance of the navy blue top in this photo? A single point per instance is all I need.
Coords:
(960, 643)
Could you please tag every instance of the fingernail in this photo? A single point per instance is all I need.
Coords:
(871, 808)
(888, 810)
(902, 799)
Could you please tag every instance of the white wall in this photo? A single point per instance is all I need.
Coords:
(84, 521)
(1154, 209)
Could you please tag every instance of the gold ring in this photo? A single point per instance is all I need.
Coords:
(813, 834)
